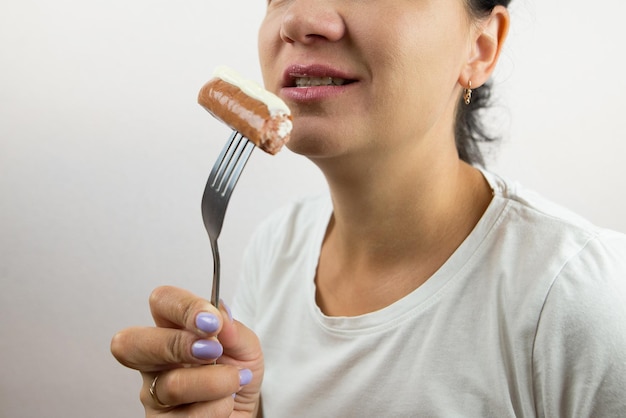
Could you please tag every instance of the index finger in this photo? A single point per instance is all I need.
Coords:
(172, 307)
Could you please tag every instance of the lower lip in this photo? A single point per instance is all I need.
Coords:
(313, 94)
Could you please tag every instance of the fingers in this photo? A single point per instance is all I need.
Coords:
(186, 325)
(180, 353)
(155, 349)
(239, 342)
(204, 384)
(172, 307)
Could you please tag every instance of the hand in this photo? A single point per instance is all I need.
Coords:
(177, 359)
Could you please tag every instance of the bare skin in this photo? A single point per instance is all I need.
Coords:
(403, 200)
(193, 386)
(383, 136)
(391, 259)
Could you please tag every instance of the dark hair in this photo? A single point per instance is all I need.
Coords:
(469, 131)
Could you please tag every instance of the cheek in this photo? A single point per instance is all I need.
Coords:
(421, 68)
(262, 45)
(268, 37)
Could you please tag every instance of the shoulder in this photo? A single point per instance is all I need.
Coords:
(536, 205)
(579, 355)
(281, 243)
(544, 223)
(585, 261)
(579, 349)
(588, 296)
(290, 233)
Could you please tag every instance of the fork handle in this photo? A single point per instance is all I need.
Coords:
(215, 288)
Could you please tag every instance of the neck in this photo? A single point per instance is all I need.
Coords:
(405, 205)
(395, 220)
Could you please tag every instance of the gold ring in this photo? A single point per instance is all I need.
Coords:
(154, 396)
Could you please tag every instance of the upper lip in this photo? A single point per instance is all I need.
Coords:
(294, 71)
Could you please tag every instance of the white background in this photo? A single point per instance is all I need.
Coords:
(104, 154)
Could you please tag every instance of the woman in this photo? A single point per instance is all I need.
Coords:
(422, 286)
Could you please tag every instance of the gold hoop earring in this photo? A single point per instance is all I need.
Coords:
(467, 96)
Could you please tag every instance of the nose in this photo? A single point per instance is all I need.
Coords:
(310, 21)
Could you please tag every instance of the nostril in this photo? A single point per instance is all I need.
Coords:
(286, 37)
(315, 36)
(311, 25)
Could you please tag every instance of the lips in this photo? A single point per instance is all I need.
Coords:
(314, 83)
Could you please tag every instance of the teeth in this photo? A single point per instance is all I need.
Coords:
(319, 81)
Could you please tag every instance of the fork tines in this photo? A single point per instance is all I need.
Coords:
(230, 163)
(219, 187)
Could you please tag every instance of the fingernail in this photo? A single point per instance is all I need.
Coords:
(227, 309)
(207, 349)
(207, 322)
(245, 377)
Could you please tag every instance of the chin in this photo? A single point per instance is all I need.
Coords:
(310, 139)
(309, 146)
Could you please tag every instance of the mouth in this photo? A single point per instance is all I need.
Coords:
(319, 81)
(299, 76)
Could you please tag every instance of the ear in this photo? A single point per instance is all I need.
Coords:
(488, 39)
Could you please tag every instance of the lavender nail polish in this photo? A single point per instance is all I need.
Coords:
(207, 349)
(207, 322)
(245, 377)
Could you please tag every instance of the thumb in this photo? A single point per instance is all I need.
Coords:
(239, 342)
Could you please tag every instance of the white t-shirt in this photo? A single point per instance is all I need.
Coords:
(526, 319)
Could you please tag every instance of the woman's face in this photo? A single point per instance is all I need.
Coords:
(374, 75)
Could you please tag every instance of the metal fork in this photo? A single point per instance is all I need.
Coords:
(219, 188)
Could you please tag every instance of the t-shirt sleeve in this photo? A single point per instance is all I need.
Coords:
(246, 300)
(258, 257)
(579, 356)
